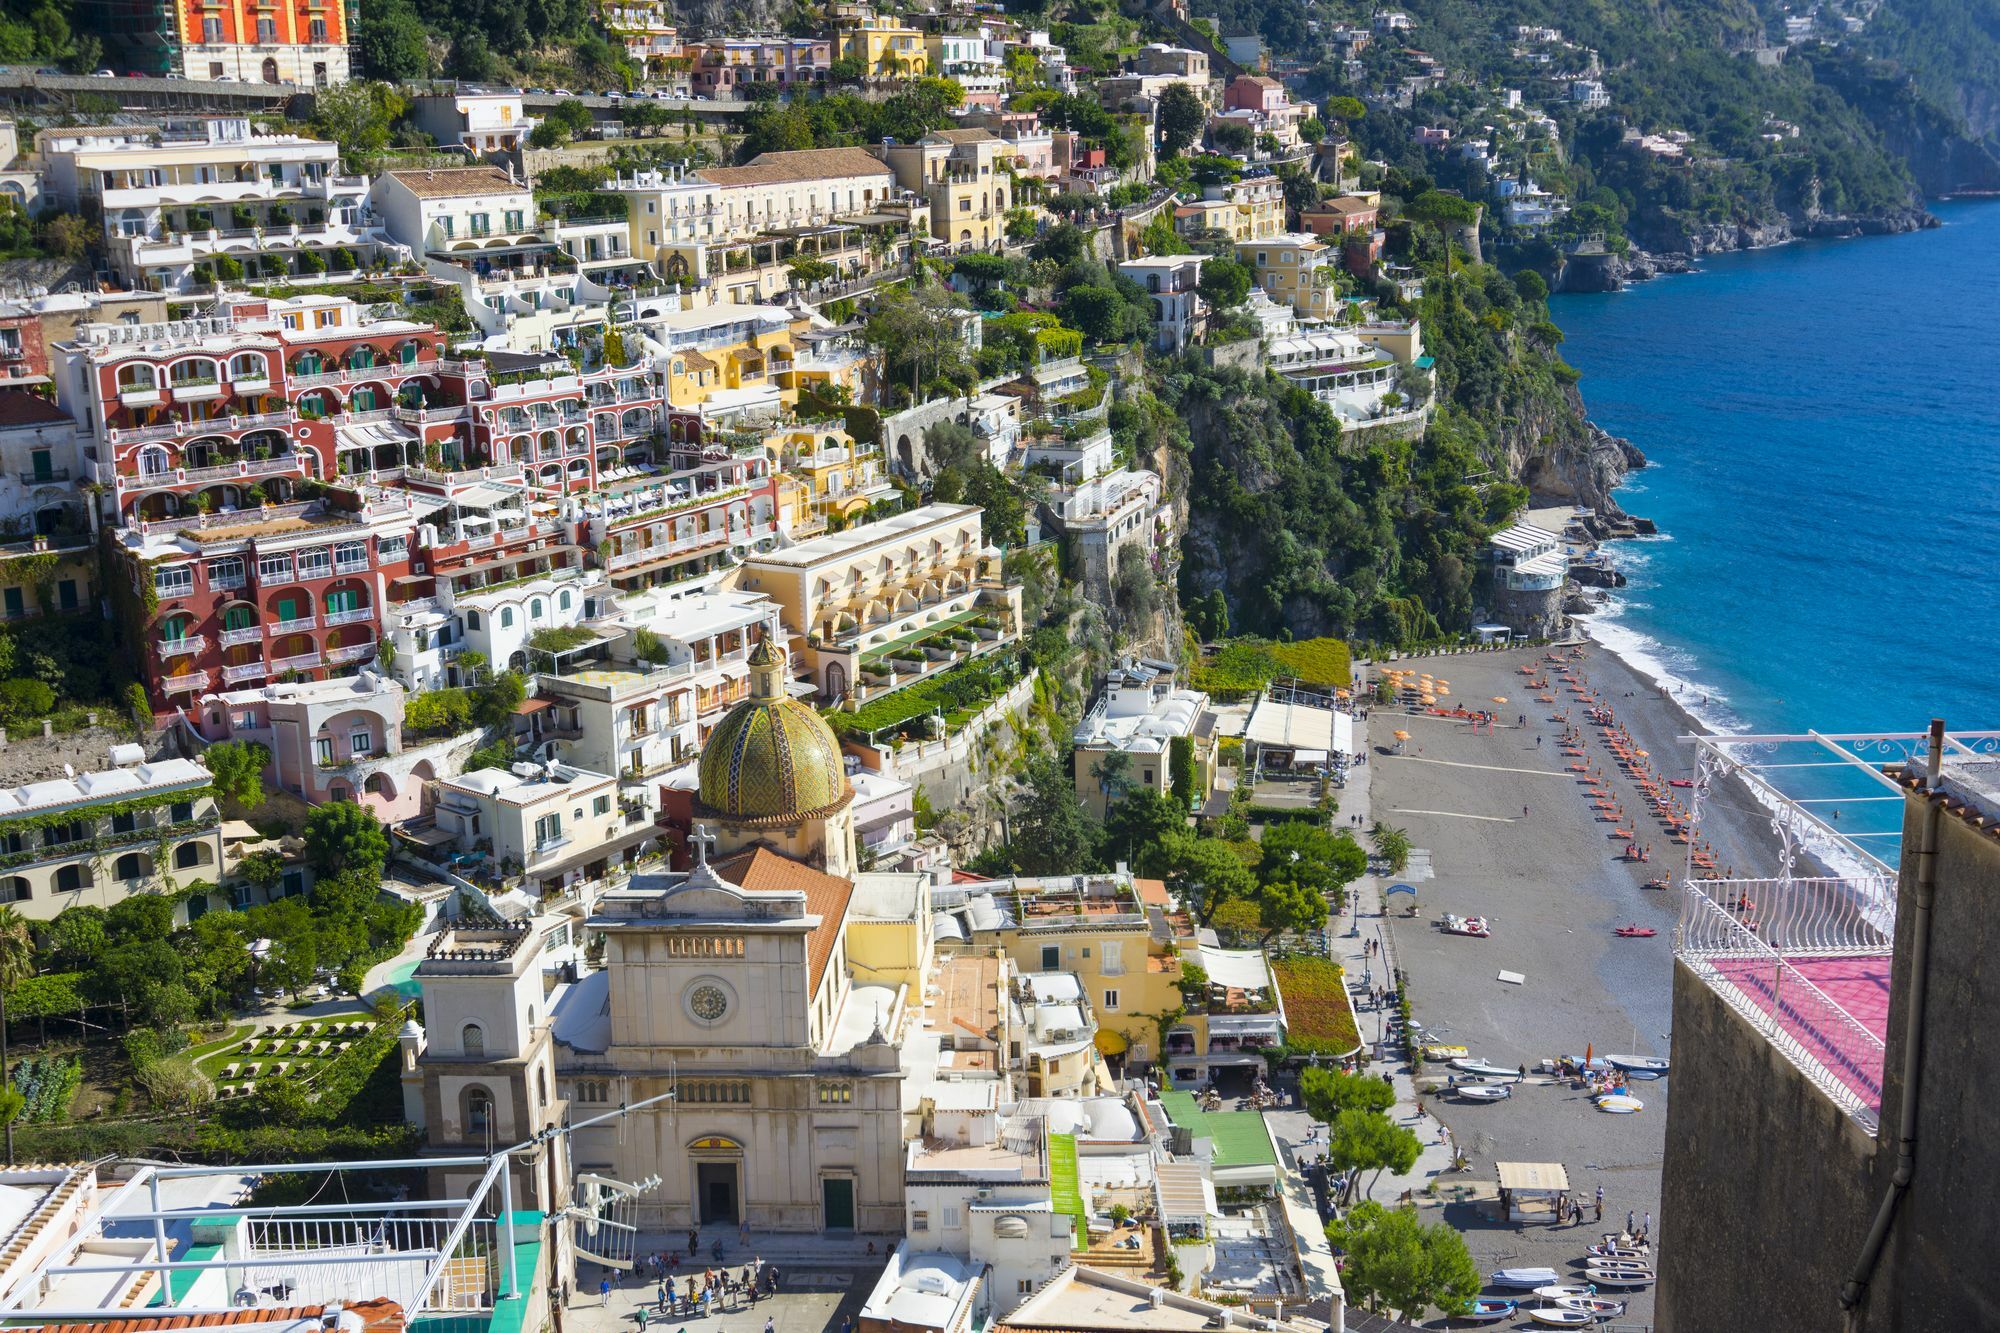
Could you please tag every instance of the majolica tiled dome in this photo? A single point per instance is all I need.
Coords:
(771, 757)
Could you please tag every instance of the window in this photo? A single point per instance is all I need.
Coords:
(211, 31)
(920, 1219)
(69, 879)
(66, 595)
(1111, 999)
(1025, 1286)
(481, 223)
(1051, 957)
(592, 1090)
(125, 821)
(274, 568)
(563, 600)
(477, 1104)
(15, 603)
(393, 548)
(835, 1094)
(351, 555)
(506, 617)
(187, 856)
(323, 750)
(267, 31)
(548, 829)
(362, 742)
(175, 582)
(601, 806)
(130, 866)
(472, 1040)
(316, 564)
(226, 572)
(316, 30)
(513, 219)
(472, 620)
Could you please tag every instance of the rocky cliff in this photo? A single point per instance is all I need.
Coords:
(710, 18)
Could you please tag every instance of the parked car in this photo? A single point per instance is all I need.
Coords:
(102, 74)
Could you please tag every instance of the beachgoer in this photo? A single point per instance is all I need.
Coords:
(1647, 1232)
(604, 1289)
(694, 1242)
(743, 1232)
(1631, 1226)
(642, 1319)
(665, 1300)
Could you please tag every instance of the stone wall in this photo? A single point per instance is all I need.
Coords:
(1536, 614)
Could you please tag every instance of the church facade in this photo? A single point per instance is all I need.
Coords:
(766, 992)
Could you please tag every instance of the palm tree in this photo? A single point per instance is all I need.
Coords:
(17, 964)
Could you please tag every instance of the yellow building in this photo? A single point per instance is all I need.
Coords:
(824, 478)
(1259, 203)
(737, 349)
(893, 600)
(958, 173)
(1298, 270)
(886, 48)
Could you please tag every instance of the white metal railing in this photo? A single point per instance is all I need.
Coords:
(294, 624)
(172, 429)
(298, 662)
(1721, 942)
(353, 652)
(395, 1256)
(182, 684)
(194, 643)
(353, 616)
(326, 378)
(1824, 917)
(231, 638)
(245, 671)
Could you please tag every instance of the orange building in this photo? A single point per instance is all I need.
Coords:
(255, 41)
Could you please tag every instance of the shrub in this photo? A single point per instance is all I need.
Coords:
(22, 699)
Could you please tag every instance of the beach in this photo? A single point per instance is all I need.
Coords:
(1511, 835)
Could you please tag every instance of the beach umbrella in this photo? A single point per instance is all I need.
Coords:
(1402, 735)
(1499, 698)
(1427, 698)
(1442, 690)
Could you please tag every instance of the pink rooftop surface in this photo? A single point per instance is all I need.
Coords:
(1859, 985)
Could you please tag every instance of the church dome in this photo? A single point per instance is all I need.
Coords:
(771, 757)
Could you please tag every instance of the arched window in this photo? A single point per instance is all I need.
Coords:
(14, 889)
(130, 866)
(536, 608)
(472, 1040)
(239, 617)
(472, 620)
(563, 600)
(506, 617)
(476, 1103)
(69, 879)
(187, 856)
(542, 1087)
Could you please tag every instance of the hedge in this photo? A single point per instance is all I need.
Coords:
(966, 687)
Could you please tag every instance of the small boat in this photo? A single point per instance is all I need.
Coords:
(1635, 932)
(1474, 926)
(1489, 1310)
(1608, 1251)
(1560, 1316)
(1597, 1307)
(1438, 1051)
(1529, 1278)
(1623, 1278)
(1483, 1092)
(1643, 1075)
(1483, 1068)
(1619, 1103)
(1619, 1265)
(1656, 1064)
(1565, 1291)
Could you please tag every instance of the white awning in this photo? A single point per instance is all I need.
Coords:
(1299, 727)
(1534, 1176)
(1243, 969)
(484, 495)
(1523, 537)
(369, 435)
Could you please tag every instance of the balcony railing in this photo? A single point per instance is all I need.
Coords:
(353, 652)
(320, 379)
(47, 477)
(232, 638)
(350, 617)
(295, 624)
(174, 429)
(298, 662)
(194, 643)
(232, 675)
(183, 684)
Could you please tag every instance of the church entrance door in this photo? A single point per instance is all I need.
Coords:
(715, 1191)
(837, 1203)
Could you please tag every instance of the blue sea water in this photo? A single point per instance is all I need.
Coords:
(1823, 421)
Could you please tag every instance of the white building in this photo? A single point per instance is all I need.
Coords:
(1140, 715)
(550, 823)
(478, 120)
(1589, 94)
(1170, 281)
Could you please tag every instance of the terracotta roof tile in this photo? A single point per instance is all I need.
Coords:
(762, 870)
(18, 407)
(805, 164)
(449, 182)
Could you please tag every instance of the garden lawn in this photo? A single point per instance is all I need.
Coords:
(1319, 1017)
(1244, 666)
(300, 1053)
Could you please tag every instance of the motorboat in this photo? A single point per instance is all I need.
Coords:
(1489, 1310)
(1560, 1316)
(1635, 932)
(1565, 1291)
(1598, 1307)
(1531, 1279)
(1618, 1265)
(1622, 1278)
(1483, 1068)
(1619, 1252)
(1619, 1103)
(1657, 1064)
(1438, 1051)
(1483, 1092)
(1474, 926)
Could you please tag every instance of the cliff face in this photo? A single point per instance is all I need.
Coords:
(709, 18)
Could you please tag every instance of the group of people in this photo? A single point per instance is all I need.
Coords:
(714, 1291)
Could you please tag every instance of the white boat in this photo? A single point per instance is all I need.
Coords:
(1618, 1265)
(1620, 1103)
(1617, 1252)
(1475, 926)
(1651, 1063)
(1564, 1291)
(1488, 1310)
(1472, 1064)
(1643, 1075)
(1598, 1307)
(1483, 1092)
(1621, 1277)
(1560, 1316)
(1531, 1278)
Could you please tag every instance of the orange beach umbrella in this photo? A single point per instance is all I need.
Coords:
(1402, 735)
(1499, 698)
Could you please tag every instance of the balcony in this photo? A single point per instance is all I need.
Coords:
(353, 652)
(294, 625)
(236, 675)
(297, 662)
(197, 391)
(140, 395)
(185, 684)
(351, 617)
(255, 467)
(174, 429)
(233, 638)
(194, 643)
(322, 569)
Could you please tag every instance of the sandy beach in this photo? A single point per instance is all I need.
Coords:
(1512, 836)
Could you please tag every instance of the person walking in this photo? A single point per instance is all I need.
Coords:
(641, 1312)
(604, 1290)
(694, 1242)
(1631, 1224)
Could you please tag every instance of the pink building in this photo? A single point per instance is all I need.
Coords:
(725, 64)
(1255, 92)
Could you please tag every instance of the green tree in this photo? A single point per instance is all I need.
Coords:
(1347, 110)
(1446, 213)
(1204, 872)
(1182, 116)
(392, 42)
(1358, 1141)
(1396, 1260)
(76, 938)
(1393, 844)
(493, 704)
(1138, 820)
(358, 116)
(17, 964)
(1328, 1092)
(238, 767)
(1053, 832)
(1224, 283)
(1287, 905)
(1304, 854)
(1181, 771)
(567, 120)
(342, 835)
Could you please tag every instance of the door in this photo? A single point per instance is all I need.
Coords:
(715, 1192)
(837, 1203)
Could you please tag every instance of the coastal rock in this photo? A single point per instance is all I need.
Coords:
(1583, 472)
(1597, 576)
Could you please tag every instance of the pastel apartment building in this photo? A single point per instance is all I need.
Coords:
(93, 839)
(886, 47)
(550, 823)
(722, 66)
(479, 120)
(959, 173)
(1179, 313)
(878, 604)
(304, 44)
(189, 201)
(1102, 516)
(1295, 269)
(1143, 717)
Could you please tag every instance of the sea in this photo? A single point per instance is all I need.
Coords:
(1822, 422)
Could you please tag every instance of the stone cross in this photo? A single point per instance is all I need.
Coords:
(703, 840)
